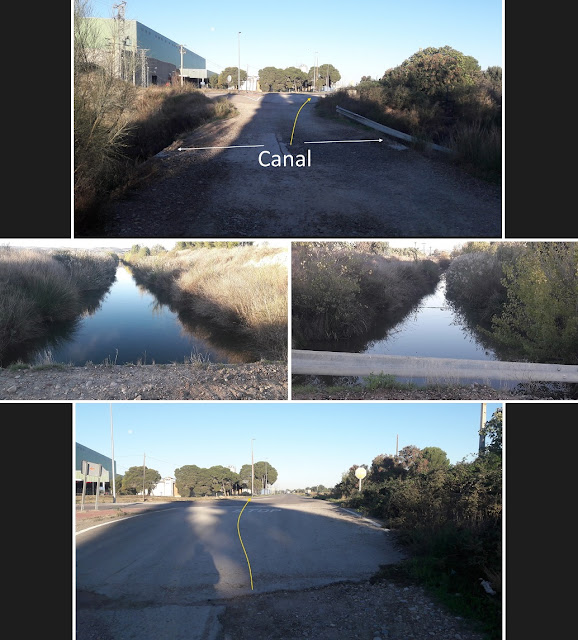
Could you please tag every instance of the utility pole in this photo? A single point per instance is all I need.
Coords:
(239, 61)
(112, 457)
(252, 467)
(143, 477)
(182, 52)
(396, 445)
(120, 31)
(144, 76)
(315, 72)
(482, 440)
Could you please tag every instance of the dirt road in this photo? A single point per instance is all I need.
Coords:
(371, 189)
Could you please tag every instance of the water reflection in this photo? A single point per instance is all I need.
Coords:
(433, 329)
(128, 324)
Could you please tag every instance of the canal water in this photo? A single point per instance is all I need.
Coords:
(433, 328)
(130, 325)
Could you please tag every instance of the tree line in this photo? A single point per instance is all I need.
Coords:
(277, 79)
(194, 481)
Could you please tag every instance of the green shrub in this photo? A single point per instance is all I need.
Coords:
(339, 290)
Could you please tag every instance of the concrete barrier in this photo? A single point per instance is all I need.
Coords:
(381, 127)
(332, 363)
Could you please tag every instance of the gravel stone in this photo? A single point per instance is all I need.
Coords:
(250, 381)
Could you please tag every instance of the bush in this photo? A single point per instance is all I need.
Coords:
(339, 290)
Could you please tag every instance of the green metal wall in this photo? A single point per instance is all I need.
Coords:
(84, 453)
(104, 31)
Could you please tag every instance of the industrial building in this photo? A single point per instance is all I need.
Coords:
(138, 54)
(166, 487)
(93, 458)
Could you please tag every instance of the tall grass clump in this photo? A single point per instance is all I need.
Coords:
(39, 290)
(241, 289)
(102, 106)
(117, 125)
(478, 145)
(340, 290)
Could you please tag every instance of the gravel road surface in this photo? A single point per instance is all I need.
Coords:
(372, 189)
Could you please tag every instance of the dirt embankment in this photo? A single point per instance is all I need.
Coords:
(253, 381)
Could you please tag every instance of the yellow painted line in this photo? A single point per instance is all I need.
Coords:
(246, 556)
(301, 107)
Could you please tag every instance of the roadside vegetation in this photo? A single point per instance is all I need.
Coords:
(522, 297)
(448, 519)
(438, 95)
(238, 287)
(117, 125)
(519, 299)
(43, 290)
(341, 289)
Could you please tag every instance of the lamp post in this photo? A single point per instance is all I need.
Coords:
(239, 62)
(112, 457)
(315, 72)
(182, 48)
(252, 466)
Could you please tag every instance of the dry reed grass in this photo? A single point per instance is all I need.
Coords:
(241, 288)
(40, 288)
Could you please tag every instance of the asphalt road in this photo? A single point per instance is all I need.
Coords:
(365, 189)
(169, 572)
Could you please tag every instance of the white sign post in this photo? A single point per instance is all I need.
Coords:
(360, 473)
(90, 469)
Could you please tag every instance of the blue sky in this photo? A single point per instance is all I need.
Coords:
(358, 38)
(307, 442)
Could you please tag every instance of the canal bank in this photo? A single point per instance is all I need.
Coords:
(248, 381)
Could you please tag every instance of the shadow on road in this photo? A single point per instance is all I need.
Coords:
(371, 189)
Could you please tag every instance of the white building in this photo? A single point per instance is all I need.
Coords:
(166, 487)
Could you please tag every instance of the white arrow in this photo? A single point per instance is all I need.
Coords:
(331, 141)
(238, 146)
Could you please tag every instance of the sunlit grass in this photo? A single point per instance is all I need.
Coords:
(39, 289)
(243, 289)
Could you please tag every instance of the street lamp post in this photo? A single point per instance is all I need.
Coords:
(252, 467)
(112, 457)
(239, 65)
(315, 72)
